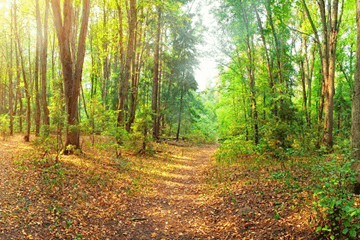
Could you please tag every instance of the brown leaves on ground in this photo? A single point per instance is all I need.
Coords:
(178, 193)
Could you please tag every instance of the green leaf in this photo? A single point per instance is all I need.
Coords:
(345, 231)
(352, 233)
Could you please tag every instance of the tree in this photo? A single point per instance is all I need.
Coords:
(21, 65)
(249, 40)
(124, 81)
(43, 67)
(355, 123)
(327, 50)
(37, 93)
(10, 71)
(156, 85)
(72, 62)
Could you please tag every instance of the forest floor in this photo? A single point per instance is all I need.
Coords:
(179, 192)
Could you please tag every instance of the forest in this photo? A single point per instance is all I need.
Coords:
(108, 130)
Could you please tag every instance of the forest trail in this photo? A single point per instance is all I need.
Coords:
(179, 192)
(177, 205)
(8, 149)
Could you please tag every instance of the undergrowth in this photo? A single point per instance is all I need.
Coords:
(327, 180)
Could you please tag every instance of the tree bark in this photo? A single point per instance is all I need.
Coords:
(268, 63)
(72, 70)
(355, 113)
(251, 73)
(36, 72)
(124, 82)
(180, 115)
(43, 65)
(26, 83)
(10, 66)
(155, 86)
(327, 49)
(135, 77)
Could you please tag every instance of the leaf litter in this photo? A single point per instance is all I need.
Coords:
(178, 193)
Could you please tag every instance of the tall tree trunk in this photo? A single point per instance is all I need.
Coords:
(251, 73)
(268, 63)
(26, 83)
(10, 66)
(135, 75)
(72, 63)
(303, 83)
(106, 61)
(180, 115)
(309, 81)
(327, 49)
(158, 108)
(330, 84)
(43, 63)
(277, 43)
(123, 87)
(355, 113)
(121, 36)
(36, 72)
(155, 86)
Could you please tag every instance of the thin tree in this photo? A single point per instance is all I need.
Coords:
(251, 71)
(10, 71)
(155, 86)
(36, 72)
(43, 66)
(24, 77)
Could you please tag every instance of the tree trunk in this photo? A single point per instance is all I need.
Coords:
(135, 77)
(123, 87)
(330, 85)
(251, 73)
(327, 49)
(180, 113)
(309, 81)
(303, 83)
(43, 63)
(26, 83)
(36, 72)
(355, 118)
(268, 63)
(10, 66)
(72, 63)
(155, 86)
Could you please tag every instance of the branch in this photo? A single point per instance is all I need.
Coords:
(296, 30)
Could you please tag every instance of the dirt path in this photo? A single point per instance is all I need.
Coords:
(8, 149)
(170, 195)
(177, 205)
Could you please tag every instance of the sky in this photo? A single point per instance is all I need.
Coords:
(207, 71)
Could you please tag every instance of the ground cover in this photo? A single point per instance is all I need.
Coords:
(177, 192)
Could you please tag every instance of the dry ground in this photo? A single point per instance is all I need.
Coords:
(178, 193)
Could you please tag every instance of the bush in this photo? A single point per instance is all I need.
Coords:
(232, 148)
(4, 125)
(335, 204)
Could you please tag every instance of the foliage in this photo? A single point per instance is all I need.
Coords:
(99, 120)
(140, 133)
(4, 125)
(232, 149)
(339, 217)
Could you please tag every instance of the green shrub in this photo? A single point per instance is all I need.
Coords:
(335, 204)
(4, 125)
(231, 149)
